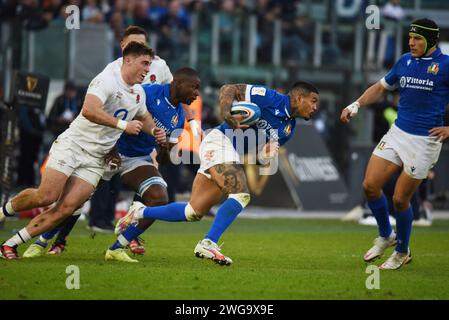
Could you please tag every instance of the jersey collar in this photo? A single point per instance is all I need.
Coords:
(167, 95)
(287, 106)
(434, 55)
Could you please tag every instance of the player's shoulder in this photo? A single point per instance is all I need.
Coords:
(152, 88)
(444, 58)
(158, 63)
(257, 90)
(405, 58)
(105, 79)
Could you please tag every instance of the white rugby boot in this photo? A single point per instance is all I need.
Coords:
(208, 249)
(129, 218)
(380, 245)
(396, 260)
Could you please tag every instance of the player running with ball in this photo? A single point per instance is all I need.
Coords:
(413, 143)
(221, 174)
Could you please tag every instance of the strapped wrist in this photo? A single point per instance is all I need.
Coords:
(122, 124)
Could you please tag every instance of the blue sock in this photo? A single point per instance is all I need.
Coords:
(170, 212)
(227, 213)
(50, 234)
(132, 232)
(404, 229)
(379, 209)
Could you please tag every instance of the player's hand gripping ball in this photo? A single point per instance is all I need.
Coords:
(248, 111)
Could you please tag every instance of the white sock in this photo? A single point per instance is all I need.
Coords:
(20, 237)
(122, 240)
(139, 214)
(42, 239)
(9, 208)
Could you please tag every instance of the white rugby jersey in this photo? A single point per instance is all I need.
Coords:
(159, 71)
(119, 100)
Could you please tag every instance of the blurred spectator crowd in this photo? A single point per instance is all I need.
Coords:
(171, 20)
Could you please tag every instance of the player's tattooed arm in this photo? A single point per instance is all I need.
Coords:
(230, 178)
(229, 93)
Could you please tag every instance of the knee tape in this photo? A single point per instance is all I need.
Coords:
(149, 182)
(191, 215)
(242, 198)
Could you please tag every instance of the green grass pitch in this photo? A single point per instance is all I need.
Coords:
(273, 259)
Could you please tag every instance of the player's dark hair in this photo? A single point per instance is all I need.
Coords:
(184, 73)
(303, 88)
(135, 30)
(137, 49)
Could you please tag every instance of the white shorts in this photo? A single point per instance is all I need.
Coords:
(69, 158)
(416, 154)
(128, 165)
(215, 149)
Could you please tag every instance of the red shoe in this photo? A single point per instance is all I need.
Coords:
(136, 247)
(56, 248)
(9, 253)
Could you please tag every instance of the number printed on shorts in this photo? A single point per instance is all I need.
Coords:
(119, 113)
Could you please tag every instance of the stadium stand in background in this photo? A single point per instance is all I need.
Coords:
(253, 41)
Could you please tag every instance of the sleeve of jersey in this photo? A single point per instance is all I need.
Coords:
(390, 81)
(99, 87)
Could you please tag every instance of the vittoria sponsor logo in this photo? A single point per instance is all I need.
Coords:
(416, 83)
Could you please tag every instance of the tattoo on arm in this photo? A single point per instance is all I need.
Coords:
(229, 93)
(231, 178)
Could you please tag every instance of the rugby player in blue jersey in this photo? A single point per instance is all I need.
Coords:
(413, 143)
(221, 174)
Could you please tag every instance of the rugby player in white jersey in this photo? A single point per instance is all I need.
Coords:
(114, 104)
(159, 74)
(159, 71)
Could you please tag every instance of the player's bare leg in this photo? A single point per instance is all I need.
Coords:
(378, 172)
(231, 181)
(47, 193)
(75, 193)
(403, 192)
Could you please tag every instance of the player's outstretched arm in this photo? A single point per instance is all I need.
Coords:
(371, 95)
(229, 93)
(93, 111)
(150, 128)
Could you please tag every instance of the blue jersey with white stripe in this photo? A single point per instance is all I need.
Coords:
(165, 115)
(424, 91)
(275, 121)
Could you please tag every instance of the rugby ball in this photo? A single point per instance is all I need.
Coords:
(248, 109)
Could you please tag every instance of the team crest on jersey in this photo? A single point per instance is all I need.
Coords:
(288, 130)
(174, 120)
(118, 95)
(152, 78)
(433, 68)
(138, 98)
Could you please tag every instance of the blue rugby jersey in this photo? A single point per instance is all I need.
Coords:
(275, 121)
(165, 115)
(424, 91)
